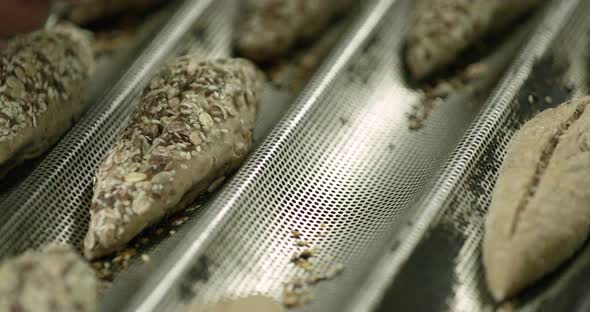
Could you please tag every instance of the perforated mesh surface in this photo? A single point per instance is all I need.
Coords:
(444, 263)
(342, 157)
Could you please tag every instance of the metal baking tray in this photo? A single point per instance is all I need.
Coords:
(51, 203)
(341, 166)
(435, 263)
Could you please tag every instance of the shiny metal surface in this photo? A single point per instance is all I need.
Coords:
(341, 162)
(438, 256)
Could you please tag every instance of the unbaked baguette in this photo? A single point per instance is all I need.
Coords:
(442, 29)
(271, 27)
(42, 79)
(540, 210)
(193, 126)
(88, 11)
(55, 278)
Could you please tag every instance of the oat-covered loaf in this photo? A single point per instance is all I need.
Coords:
(269, 28)
(87, 11)
(42, 77)
(540, 210)
(442, 29)
(55, 278)
(193, 126)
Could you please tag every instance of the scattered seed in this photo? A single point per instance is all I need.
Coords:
(297, 290)
(531, 99)
(548, 99)
(302, 243)
(179, 221)
(295, 234)
(298, 296)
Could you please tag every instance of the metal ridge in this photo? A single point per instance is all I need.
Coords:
(428, 207)
(151, 296)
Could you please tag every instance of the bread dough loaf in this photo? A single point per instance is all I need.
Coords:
(42, 79)
(53, 279)
(442, 29)
(270, 28)
(540, 213)
(193, 126)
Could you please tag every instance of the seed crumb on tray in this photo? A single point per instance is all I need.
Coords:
(297, 291)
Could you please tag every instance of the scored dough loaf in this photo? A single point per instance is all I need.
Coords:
(441, 29)
(88, 11)
(42, 79)
(193, 126)
(269, 28)
(540, 213)
(55, 278)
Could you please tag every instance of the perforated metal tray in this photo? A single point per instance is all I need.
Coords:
(343, 157)
(342, 161)
(437, 264)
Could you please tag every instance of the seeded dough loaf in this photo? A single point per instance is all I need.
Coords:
(53, 279)
(540, 211)
(442, 29)
(269, 28)
(88, 11)
(42, 78)
(193, 126)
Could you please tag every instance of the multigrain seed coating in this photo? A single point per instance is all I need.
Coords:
(540, 212)
(87, 11)
(42, 77)
(193, 126)
(53, 279)
(442, 29)
(271, 27)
